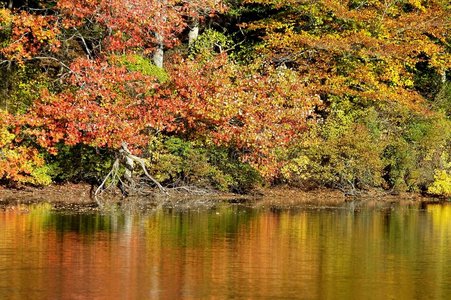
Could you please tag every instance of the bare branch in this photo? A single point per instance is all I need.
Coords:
(88, 52)
(113, 171)
(54, 59)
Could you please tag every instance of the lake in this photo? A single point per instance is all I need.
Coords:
(227, 251)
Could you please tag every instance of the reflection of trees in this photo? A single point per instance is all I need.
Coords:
(229, 252)
(392, 253)
(86, 224)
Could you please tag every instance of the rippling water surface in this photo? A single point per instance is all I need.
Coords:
(227, 252)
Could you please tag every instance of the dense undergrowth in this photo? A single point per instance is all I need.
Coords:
(342, 94)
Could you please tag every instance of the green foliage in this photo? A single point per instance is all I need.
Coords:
(179, 162)
(209, 43)
(41, 175)
(80, 163)
(384, 145)
(344, 152)
(175, 160)
(400, 165)
(415, 149)
(139, 63)
(443, 99)
(243, 176)
(20, 86)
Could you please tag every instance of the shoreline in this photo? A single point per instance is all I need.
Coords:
(78, 198)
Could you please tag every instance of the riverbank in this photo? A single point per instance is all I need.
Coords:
(78, 197)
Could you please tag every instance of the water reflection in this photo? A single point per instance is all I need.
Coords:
(227, 252)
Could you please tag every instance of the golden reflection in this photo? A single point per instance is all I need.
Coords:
(230, 252)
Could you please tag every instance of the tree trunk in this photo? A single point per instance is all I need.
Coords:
(158, 55)
(129, 161)
(10, 4)
(443, 76)
(194, 32)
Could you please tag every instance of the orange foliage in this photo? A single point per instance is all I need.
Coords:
(132, 24)
(365, 49)
(256, 108)
(27, 35)
(17, 163)
(105, 105)
(256, 111)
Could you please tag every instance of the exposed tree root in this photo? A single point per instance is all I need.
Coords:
(130, 175)
(126, 181)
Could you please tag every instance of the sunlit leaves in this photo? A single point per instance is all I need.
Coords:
(365, 48)
(301, 57)
(133, 24)
(107, 105)
(23, 35)
(256, 108)
(18, 163)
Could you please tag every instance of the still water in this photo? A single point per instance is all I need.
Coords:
(227, 252)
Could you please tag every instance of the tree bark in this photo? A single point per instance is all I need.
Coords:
(158, 56)
(128, 175)
(132, 158)
(443, 76)
(194, 32)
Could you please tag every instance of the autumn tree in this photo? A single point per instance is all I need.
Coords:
(104, 102)
(103, 98)
(256, 108)
(364, 59)
(363, 49)
(294, 89)
(136, 25)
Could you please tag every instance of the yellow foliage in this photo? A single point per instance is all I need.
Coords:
(442, 184)
(296, 167)
(19, 163)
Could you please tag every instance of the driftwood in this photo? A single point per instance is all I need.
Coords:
(128, 160)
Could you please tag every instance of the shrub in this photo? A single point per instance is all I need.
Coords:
(344, 152)
(179, 162)
(19, 163)
(80, 163)
(20, 86)
(210, 42)
(384, 145)
(442, 184)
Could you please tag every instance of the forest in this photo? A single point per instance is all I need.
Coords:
(228, 94)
